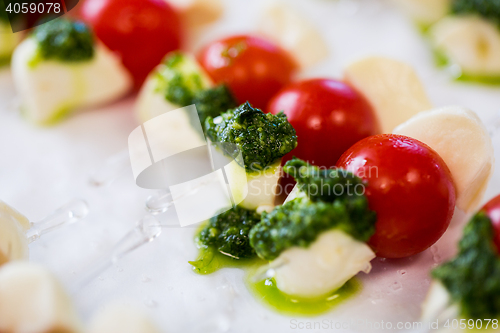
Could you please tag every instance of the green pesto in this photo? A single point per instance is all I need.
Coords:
(423, 28)
(441, 60)
(486, 80)
(321, 206)
(4, 61)
(261, 138)
(300, 221)
(60, 114)
(214, 101)
(181, 83)
(228, 232)
(4, 17)
(210, 260)
(489, 9)
(267, 292)
(178, 87)
(64, 40)
(472, 278)
(321, 184)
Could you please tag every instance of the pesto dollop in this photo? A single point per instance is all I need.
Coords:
(212, 102)
(321, 184)
(4, 18)
(472, 278)
(181, 83)
(177, 85)
(261, 138)
(65, 40)
(488, 9)
(228, 232)
(301, 220)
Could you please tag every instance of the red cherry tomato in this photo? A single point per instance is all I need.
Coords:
(142, 32)
(409, 187)
(329, 117)
(492, 209)
(254, 68)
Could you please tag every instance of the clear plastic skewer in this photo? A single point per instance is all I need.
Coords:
(70, 213)
(146, 230)
(159, 202)
(18, 232)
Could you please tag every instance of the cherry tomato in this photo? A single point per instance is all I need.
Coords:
(253, 68)
(410, 188)
(142, 32)
(329, 117)
(492, 209)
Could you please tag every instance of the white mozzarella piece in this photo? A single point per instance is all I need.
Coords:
(460, 138)
(33, 301)
(437, 305)
(261, 186)
(436, 301)
(326, 265)
(51, 89)
(119, 318)
(152, 103)
(424, 11)
(470, 42)
(293, 33)
(13, 241)
(392, 88)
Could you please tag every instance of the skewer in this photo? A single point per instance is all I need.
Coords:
(70, 213)
(146, 230)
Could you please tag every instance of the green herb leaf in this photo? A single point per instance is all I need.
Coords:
(473, 277)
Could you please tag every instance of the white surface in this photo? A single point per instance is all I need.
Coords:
(41, 169)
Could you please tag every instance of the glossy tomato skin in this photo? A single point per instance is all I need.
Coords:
(141, 32)
(253, 68)
(329, 117)
(492, 209)
(410, 188)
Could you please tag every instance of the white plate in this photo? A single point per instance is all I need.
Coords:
(42, 168)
